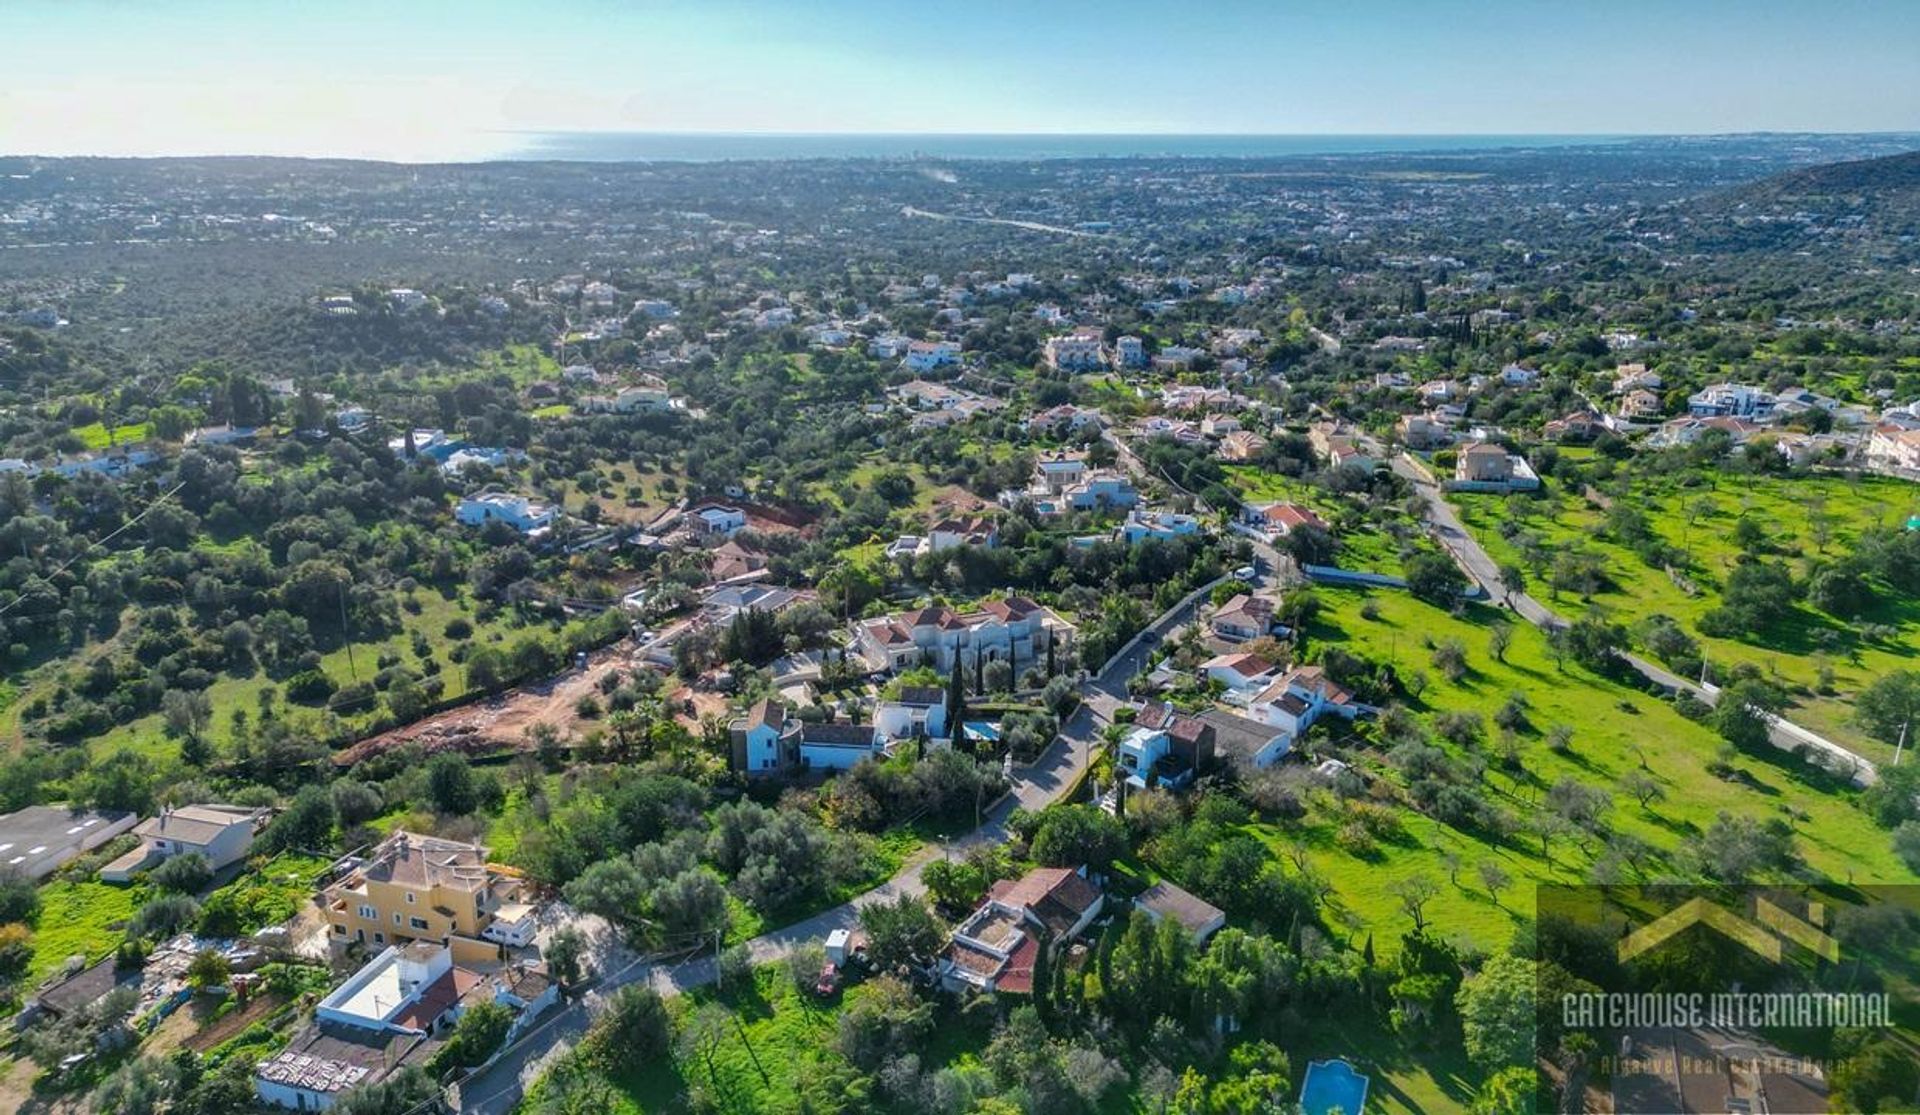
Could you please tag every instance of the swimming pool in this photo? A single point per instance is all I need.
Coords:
(1333, 1086)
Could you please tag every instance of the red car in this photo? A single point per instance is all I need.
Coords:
(829, 980)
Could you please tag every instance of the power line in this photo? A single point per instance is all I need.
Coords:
(108, 537)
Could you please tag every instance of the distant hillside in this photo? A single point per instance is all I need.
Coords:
(1851, 214)
(1865, 184)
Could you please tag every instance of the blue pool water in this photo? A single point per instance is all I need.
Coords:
(1333, 1086)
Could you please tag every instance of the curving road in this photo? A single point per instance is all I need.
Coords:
(1478, 564)
(1048, 779)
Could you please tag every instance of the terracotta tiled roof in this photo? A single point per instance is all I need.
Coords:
(1246, 665)
(1058, 896)
(1017, 976)
(1012, 608)
(437, 998)
(766, 713)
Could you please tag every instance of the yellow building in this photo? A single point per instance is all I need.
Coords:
(414, 887)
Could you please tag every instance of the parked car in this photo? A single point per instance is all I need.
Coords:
(829, 981)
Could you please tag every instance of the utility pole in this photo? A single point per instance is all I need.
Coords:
(1901, 748)
(346, 637)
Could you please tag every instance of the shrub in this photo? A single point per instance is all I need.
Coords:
(1906, 843)
(309, 687)
(19, 898)
(164, 916)
(183, 874)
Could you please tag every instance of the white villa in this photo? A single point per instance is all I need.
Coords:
(1300, 697)
(386, 1015)
(768, 740)
(1079, 351)
(533, 518)
(1015, 630)
(1731, 400)
(1062, 482)
(1142, 525)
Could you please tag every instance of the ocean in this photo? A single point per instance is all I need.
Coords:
(716, 147)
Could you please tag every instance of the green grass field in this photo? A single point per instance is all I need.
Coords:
(776, 1039)
(1796, 512)
(148, 734)
(82, 918)
(1366, 545)
(1615, 730)
(524, 364)
(97, 436)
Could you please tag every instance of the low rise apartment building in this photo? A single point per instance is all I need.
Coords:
(423, 888)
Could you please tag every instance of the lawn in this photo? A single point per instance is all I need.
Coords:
(79, 919)
(270, 892)
(1799, 513)
(1616, 728)
(1365, 546)
(97, 436)
(1403, 1078)
(776, 1040)
(524, 364)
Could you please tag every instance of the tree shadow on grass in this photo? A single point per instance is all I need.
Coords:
(1679, 826)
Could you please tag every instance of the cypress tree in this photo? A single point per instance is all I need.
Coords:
(1103, 961)
(957, 708)
(1043, 978)
(1064, 1003)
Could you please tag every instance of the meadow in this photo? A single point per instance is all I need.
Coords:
(1804, 518)
(1616, 729)
(342, 661)
(1366, 545)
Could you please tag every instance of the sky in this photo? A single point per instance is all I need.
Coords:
(425, 80)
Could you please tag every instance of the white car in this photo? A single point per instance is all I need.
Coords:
(1244, 573)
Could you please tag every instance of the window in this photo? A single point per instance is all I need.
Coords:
(369, 913)
(409, 898)
(339, 930)
(418, 923)
(396, 917)
(379, 938)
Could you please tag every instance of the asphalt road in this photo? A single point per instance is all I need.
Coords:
(1048, 779)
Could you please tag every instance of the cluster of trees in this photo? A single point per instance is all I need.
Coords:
(643, 854)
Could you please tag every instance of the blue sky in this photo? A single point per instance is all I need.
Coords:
(426, 79)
